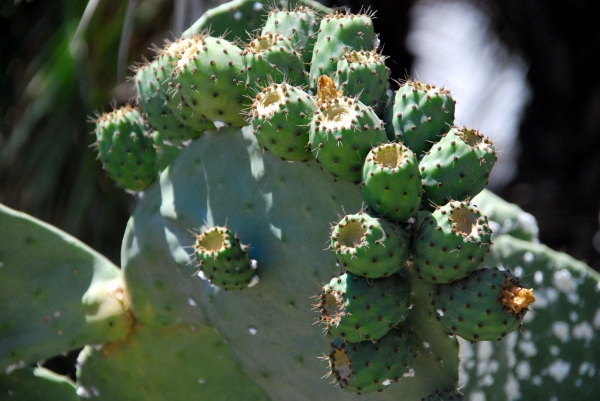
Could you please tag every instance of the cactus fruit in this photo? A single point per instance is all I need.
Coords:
(391, 182)
(357, 309)
(420, 114)
(371, 366)
(339, 33)
(208, 77)
(273, 57)
(299, 25)
(485, 306)
(126, 149)
(462, 153)
(280, 114)
(342, 132)
(451, 242)
(369, 247)
(167, 113)
(223, 260)
(363, 74)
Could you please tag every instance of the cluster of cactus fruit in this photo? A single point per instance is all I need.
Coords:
(405, 274)
(315, 88)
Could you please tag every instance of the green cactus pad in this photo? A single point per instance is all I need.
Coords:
(457, 167)
(391, 182)
(126, 149)
(339, 33)
(165, 153)
(342, 132)
(172, 363)
(369, 366)
(451, 243)
(223, 260)
(507, 218)
(56, 293)
(234, 18)
(29, 384)
(238, 17)
(368, 246)
(280, 115)
(445, 394)
(283, 210)
(485, 306)
(299, 25)
(209, 77)
(420, 115)
(272, 58)
(363, 74)
(357, 309)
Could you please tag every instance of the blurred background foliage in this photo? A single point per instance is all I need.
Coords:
(62, 61)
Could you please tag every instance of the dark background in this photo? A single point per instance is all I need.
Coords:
(48, 92)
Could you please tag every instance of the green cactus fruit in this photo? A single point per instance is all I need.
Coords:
(363, 74)
(280, 116)
(172, 116)
(446, 394)
(451, 243)
(357, 309)
(371, 366)
(299, 25)
(338, 34)
(151, 87)
(223, 260)
(457, 167)
(420, 115)
(208, 75)
(368, 246)
(174, 102)
(391, 183)
(126, 149)
(272, 58)
(485, 306)
(342, 132)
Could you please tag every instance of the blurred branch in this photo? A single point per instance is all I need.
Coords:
(125, 40)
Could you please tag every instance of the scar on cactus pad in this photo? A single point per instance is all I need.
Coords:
(223, 260)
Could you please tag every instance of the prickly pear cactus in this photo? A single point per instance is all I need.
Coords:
(170, 320)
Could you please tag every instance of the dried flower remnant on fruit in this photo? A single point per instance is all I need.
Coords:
(326, 91)
(515, 299)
